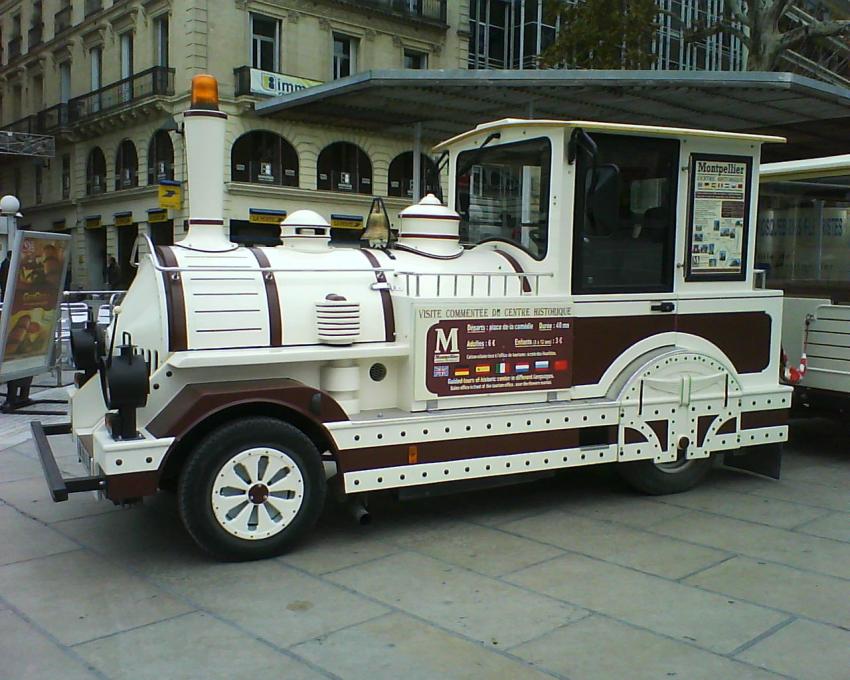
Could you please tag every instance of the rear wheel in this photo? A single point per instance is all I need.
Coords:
(663, 478)
(251, 489)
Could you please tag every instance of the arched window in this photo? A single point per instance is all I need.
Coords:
(400, 182)
(265, 158)
(95, 172)
(344, 166)
(160, 157)
(126, 166)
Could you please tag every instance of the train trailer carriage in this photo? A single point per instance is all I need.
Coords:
(802, 246)
(586, 297)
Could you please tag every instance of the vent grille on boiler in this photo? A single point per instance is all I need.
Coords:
(337, 320)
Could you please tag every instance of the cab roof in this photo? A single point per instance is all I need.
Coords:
(808, 168)
(607, 127)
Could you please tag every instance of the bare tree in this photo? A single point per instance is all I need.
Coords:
(601, 34)
(763, 27)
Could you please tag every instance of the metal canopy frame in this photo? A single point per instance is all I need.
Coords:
(813, 115)
(27, 144)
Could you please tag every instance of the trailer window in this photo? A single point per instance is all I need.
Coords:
(503, 194)
(804, 232)
(630, 249)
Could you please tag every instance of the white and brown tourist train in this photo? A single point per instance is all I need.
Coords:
(585, 296)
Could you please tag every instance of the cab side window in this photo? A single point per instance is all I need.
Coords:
(625, 215)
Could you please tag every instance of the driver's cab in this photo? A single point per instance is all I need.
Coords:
(606, 207)
(646, 231)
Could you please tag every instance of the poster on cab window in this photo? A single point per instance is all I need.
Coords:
(31, 308)
(719, 215)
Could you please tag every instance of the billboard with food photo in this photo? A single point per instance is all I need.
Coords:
(31, 307)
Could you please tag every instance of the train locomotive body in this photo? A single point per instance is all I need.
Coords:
(585, 297)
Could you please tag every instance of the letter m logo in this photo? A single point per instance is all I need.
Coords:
(446, 342)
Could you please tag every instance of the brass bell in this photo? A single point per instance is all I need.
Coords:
(377, 231)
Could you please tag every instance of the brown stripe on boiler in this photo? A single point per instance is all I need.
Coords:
(175, 303)
(386, 298)
(272, 299)
(435, 451)
(526, 286)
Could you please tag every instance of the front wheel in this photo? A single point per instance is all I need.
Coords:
(251, 489)
(659, 479)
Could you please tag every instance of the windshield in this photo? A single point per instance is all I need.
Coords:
(803, 229)
(503, 193)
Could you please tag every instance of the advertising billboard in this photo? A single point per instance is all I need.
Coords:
(31, 308)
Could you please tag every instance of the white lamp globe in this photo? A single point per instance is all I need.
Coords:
(9, 205)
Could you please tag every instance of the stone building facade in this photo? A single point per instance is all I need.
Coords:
(110, 78)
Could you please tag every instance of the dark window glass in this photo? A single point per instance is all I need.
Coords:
(345, 167)
(160, 157)
(503, 193)
(803, 231)
(126, 166)
(95, 172)
(345, 56)
(400, 182)
(66, 176)
(415, 60)
(265, 158)
(264, 42)
(627, 248)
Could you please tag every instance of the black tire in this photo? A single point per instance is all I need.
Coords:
(658, 480)
(208, 462)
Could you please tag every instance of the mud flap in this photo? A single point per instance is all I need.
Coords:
(761, 460)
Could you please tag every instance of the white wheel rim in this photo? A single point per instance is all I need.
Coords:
(257, 493)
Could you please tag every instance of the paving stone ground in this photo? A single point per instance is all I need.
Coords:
(573, 577)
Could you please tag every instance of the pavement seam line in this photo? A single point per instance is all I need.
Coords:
(133, 629)
(507, 652)
(186, 600)
(452, 633)
(763, 636)
(693, 585)
(682, 579)
(63, 648)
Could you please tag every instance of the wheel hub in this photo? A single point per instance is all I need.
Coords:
(258, 494)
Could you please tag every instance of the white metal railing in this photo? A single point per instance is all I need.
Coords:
(528, 280)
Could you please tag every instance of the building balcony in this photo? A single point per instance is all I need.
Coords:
(429, 11)
(62, 20)
(15, 48)
(35, 35)
(156, 81)
(44, 122)
(93, 6)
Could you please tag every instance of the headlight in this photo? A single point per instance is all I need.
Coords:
(125, 381)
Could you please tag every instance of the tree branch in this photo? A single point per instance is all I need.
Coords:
(822, 29)
(737, 9)
(701, 31)
(779, 8)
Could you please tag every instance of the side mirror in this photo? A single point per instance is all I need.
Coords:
(602, 199)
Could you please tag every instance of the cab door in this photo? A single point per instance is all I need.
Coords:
(623, 255)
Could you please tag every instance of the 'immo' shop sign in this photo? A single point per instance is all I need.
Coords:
(277, 84)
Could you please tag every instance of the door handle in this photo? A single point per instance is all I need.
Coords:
(663, 307)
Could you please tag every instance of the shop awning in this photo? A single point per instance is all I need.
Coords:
(813, 115)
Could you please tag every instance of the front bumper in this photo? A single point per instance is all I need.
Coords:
(58, 485)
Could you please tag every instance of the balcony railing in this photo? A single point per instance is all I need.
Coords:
(52, 119)
(430, 10)
(15, 48)
(35, 35)
(62, 20)
(44, 122)
(93, 6)
(158, 80)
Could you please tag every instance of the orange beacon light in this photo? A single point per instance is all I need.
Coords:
(205, 92)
